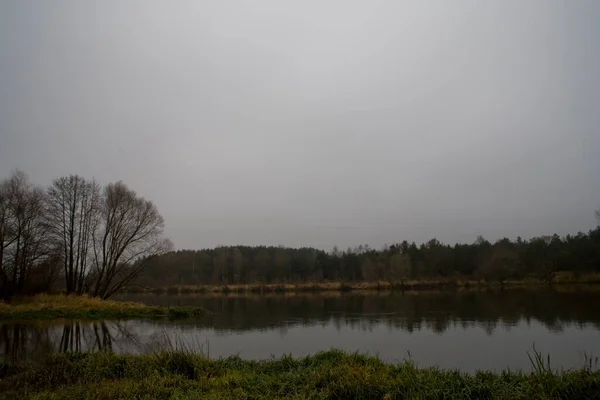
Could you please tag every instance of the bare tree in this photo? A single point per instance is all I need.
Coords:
(500, 265)
(7, 236)
(399, 268)
(23, 232)
(73, 217)
(219, 275)
(130, 234)
(367, 269)
(237, 259)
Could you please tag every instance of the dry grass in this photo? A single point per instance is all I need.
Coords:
(319, 287)
(570, 277)
(45, 306)
(422, 284)
(69, 302)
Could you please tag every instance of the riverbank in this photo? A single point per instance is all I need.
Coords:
(327, 375)
(426, 284)
(82, 307)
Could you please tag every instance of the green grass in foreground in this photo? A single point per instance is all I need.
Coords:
(327, 375)
(83, 307)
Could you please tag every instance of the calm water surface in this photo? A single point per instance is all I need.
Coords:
(467, 330)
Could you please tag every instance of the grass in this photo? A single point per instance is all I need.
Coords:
(45, 306)
(298, 287)
(328, 375)
(562, 278)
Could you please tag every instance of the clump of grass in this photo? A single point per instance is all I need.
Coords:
(590, 363)
(45, 306)
(539, 363)
(327, 375)
(185, 312)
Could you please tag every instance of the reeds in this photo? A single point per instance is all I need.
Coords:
(561, 278)
(446, 283)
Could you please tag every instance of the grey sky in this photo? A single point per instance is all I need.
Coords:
(314, 122)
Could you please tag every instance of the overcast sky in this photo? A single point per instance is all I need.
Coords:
(314, 122)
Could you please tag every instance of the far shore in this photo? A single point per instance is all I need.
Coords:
(408, 285)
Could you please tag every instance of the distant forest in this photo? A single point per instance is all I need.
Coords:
(540, 257)
(83, 238)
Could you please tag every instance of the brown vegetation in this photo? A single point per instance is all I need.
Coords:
(45, 306)
(564, 277)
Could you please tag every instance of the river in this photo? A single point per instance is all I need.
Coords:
(468, 330)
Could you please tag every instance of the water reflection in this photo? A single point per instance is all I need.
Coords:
(33, 341)
(414, 311)
(469, 330)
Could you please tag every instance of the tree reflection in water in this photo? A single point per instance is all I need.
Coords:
(411, 312)
(28, 342)
(408, 312)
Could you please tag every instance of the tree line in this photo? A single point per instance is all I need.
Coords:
(99, 240)
(541, 257)
(96, 240)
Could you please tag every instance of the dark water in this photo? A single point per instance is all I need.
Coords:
(467, 330)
